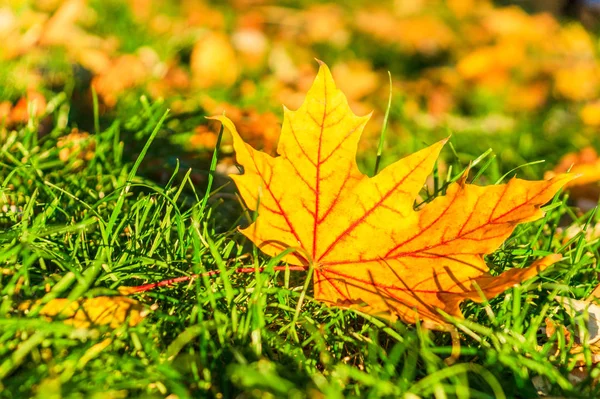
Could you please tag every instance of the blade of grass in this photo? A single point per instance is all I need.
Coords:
(383, 128)
(211, 173)
(119, 205)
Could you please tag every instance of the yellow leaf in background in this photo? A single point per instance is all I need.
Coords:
(578, 82)
(369, 247)
(325, 23)
(575, 42)
(420, 33)
(463, 8)
(493, 60)
(424, 34)
(406, 8)
(590, 114)
(103, 310)
(213, 61)
(516, 23)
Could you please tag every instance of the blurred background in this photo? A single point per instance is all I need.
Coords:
(519, 77)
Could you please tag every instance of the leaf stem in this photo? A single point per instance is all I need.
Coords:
(172, 281)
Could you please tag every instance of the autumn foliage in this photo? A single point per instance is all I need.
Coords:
(368, 246)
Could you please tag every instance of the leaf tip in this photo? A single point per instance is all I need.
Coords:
(564, 179)
(324, 70)
(214, 117)
(227, 123)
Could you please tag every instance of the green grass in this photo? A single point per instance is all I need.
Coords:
(80, 230)
(147, 208)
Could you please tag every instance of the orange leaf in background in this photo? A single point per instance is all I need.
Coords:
(77, 143)
(325, 23)
(491, 65)
(356, 79)
(585, 190)
(124, 72)
(33, 101)
(419, 34)
(368, 245)
(101, 310)
(258, 129)
(585, 163)
(578, 82)
(527, 97)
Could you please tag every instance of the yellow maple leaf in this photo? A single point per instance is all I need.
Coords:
(367, 244)
(102, 310)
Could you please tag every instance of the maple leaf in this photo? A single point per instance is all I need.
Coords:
(367, 244)
(101, 310)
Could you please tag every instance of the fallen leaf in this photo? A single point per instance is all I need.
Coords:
(125, 72)
(423, 34)
(77, 143)
(102, 310)
(578, 82)
(586, 335)
(5, 109)
(590, 232)
(213, 62)
(514, 22)
(590, 114)
(325, 23)
(490, 66)
(463, 8)
(200, 14)
(527, 97)
(367, 244)
(584, 163)
(578, 308)
(594, 295)
(61, 28)
(356, 79)
(33, 102)
(252, 46)
(584, 190)
(204, 138)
